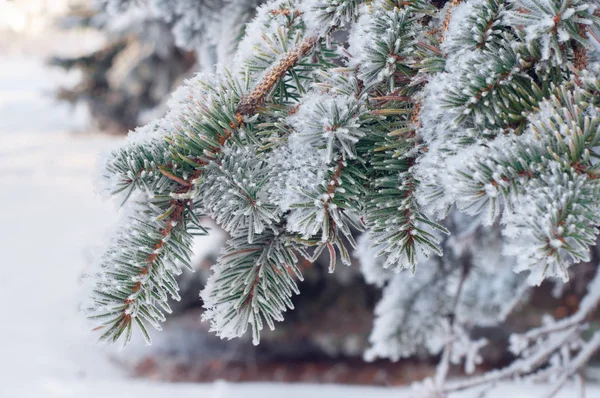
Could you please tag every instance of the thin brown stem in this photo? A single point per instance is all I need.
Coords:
(256, 98)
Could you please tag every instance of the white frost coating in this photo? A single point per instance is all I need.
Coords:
(490, 294)
(523, 175)
(184, 104)
(551, 25)
(320, 16)
(107, 181)
(519, 342)
(466, 190)
(549, 203)
(459, 21)
(407, 319)
(382, 38)
(553, 352)
(434, 194)
(309, 167)
(440, 133)
(358, 33)
(266, 23)
(296, 170)
(486, 142)
(462, 349)
(209, 27)
(265, 282)
(475, 26)
(371, 266)
(123, 170)
(548, 227)
(414, 310)
(112, 293)
(492, 289)
(329, 121)
(234, 192)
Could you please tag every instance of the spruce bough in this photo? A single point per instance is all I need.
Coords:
(460, 137)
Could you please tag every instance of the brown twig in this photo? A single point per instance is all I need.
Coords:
(447, 18)
(248, 104)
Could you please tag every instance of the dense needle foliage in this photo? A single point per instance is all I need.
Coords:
(460, 137)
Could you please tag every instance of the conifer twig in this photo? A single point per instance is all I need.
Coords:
(247, 106)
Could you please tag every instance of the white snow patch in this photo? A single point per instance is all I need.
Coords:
(51, 219)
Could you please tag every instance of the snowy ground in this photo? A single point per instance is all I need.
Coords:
(51, 223)
(52, 219)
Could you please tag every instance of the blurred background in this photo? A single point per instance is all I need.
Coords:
(73, 82)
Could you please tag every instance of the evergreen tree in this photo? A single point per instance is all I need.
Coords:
(461, 137)
(125, 82)
(210, 28)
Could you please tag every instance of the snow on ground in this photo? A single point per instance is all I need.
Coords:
(51, 222)
(144, 389)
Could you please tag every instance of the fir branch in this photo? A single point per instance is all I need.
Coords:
(250, 102)
(137, 273)
(397, 227)
(333, 14)
(553, 23)
(252, 283)
(497, 91)
(234, 192)
(135, 166)
(313, 134)
(479, 29)
(167, 223)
